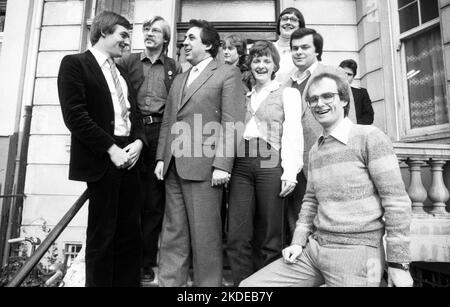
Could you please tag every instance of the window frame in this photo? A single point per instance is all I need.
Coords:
(406, 132)
(224, 27)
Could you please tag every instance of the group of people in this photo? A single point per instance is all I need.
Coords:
(272, 135)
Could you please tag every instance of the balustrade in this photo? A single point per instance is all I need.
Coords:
(422, 158)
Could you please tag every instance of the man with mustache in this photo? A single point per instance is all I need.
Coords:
(151, 73)
(195, 156)
(289, 20)
(100, 110)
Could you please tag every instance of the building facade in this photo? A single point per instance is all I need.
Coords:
(402, 47)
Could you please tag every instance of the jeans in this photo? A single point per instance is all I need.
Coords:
(255, 214)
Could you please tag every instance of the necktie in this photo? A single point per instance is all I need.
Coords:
(192, 76)
(119, 91)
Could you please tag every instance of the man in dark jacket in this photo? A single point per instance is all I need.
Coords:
(151, 73)
(99, 108)
(363, 104)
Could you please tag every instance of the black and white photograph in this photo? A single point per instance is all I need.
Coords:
(224, 150)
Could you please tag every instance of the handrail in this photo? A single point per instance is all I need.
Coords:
(51, 238)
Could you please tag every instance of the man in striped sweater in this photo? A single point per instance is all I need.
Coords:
(355, 194)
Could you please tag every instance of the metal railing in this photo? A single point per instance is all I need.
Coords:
(47, 243)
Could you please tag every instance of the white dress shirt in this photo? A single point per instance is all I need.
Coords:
(197, 70)
(287, 66)
(121, 128)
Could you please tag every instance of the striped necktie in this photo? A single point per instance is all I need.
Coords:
(123, 105)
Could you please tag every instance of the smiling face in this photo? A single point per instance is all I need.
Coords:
(230, 54)
(304, 52)
(262, 68)
(194, 48)
(116, 43)
(329, 108)
(288, 24)
(154, 36)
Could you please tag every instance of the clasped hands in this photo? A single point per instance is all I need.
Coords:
(126, 157)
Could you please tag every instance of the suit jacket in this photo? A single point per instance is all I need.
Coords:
(214, 99)
(88, 113)
(363, 106)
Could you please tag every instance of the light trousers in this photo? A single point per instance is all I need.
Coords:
(335, 265)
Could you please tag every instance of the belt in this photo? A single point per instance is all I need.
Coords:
(152, 119)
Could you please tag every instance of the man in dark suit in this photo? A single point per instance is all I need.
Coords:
(151, 73)
(363, 104)
(195, 156)
(100, 111)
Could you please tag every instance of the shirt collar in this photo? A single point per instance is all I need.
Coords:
(273, 86)
(99, 56)
(202, 65)
(162, 57)
(341, 132)
(300, 77)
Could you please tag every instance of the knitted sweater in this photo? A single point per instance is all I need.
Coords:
(355, 193)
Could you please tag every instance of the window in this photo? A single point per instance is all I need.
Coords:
(423, 66)
(2, 21)
(252, 19)
(122, 7)
(70, 253)
(2, 14)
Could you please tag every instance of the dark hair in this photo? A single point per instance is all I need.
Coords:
(351, 64)
(294, 11)
(265, 48)
(342, 88)
(241, 47)
(105, 23)
(165, 28)
(208, 34)
(317, 39)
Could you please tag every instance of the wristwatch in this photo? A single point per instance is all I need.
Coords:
(401, 266)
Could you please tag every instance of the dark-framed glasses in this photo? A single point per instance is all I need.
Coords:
(291, 18)
(326, 98)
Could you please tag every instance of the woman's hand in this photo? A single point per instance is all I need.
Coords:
(287, 187)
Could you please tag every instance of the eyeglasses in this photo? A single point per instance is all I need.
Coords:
(287, 18)
(326, 98)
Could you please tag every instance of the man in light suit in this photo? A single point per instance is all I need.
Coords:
(100, 110)
(196, 160)
(307, 49)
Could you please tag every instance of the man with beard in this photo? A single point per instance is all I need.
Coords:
(151, 73)
(290, 20)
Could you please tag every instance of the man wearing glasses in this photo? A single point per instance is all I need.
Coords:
(355, 195)
(290, 20)
(151, 73)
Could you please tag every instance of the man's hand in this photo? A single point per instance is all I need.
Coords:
(134, 150)
(220, 177)
(399, 278)
(287, 187)
(119, 157)
(291, 253)
(159, 170)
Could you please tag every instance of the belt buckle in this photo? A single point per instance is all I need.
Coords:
(148, 120)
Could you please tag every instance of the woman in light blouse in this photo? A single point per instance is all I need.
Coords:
(269, 157)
